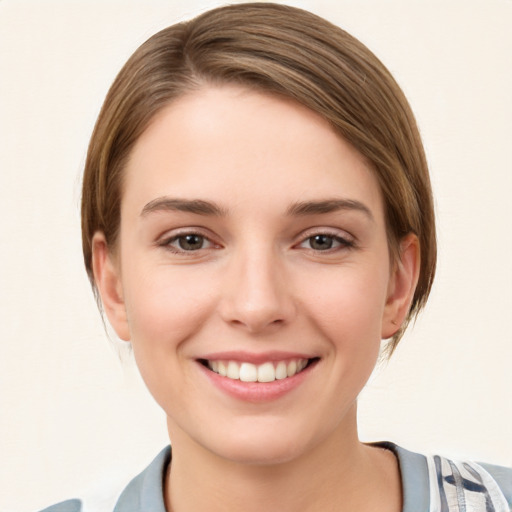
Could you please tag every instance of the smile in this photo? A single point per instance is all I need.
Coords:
(266, 372)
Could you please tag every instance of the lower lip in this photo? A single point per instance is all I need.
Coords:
(257, 391)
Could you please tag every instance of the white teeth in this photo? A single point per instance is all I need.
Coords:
(266, 372)
(291, 370)
(281, 372)
(248, 372)
(233, 371)
(221, 369)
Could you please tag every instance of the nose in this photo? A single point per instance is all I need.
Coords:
(257, 295)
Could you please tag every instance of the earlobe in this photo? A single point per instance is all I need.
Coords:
(402, 284)
(108, 282)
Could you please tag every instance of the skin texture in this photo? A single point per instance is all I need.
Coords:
(257, 284)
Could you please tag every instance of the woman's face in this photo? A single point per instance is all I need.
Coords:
(252, 243)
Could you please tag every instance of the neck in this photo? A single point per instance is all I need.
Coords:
(339, 474)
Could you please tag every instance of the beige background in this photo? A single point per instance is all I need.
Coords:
(73, 416)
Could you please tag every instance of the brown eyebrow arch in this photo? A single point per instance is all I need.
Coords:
(327, 206)
(197, 206)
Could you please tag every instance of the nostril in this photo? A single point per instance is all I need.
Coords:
(255, 321)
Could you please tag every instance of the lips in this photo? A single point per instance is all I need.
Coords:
(268, 371)
(256, 378)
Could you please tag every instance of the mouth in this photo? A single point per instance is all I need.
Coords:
(268, 371)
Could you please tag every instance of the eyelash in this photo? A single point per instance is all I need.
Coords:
(180, 237)
(340, 242)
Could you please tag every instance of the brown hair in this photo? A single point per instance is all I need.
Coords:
(285, 51)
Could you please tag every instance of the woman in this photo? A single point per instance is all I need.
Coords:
(257, 216)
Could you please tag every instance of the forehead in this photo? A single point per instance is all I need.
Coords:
(231, 144)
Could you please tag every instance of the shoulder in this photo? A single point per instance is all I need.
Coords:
(503, 477)
(65, 506)
(476, 486)
(443, 484)
(144, 492)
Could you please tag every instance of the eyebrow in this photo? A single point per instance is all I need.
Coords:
(197, 206)
(208, 208)
(302, 208)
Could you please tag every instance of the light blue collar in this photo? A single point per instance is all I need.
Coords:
(145, 491)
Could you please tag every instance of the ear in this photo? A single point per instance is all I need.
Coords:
(108, 282)
(402, 284)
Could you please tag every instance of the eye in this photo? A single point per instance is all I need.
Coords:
(325, 242)
(187, 242)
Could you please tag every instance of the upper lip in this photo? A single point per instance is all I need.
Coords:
(255, 358)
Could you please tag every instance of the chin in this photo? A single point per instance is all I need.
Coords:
(265, 444)
(264, 453)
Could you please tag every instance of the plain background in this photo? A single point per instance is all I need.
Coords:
(74, 413)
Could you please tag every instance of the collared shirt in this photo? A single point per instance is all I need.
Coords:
(429, 484)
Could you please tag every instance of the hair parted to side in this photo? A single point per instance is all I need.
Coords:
(285, 51)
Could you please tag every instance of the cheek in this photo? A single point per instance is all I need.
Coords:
(165, 309)
(349, 301)
(166, 305)
(349, 316)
